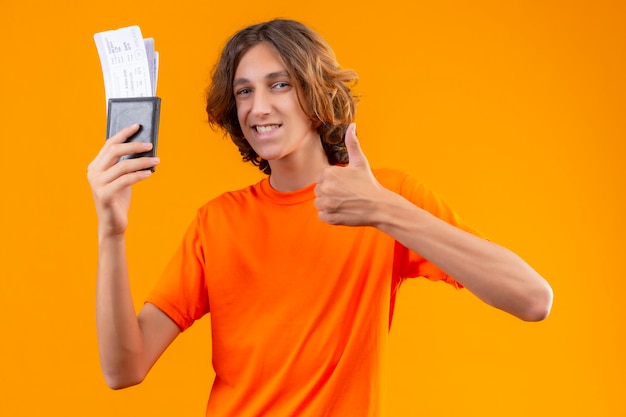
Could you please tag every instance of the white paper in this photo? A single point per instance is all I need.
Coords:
(152, 57)
(129, 63)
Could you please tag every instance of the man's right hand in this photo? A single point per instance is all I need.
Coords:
(111, 181)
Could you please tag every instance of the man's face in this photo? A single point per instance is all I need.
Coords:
(268, 109)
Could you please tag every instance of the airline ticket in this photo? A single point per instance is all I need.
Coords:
(129, 63)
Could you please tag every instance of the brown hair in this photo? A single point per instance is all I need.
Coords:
(322, 84)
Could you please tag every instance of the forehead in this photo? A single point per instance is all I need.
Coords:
(258, 61)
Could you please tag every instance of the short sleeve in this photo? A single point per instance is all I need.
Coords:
(407, 263)
(182, 293)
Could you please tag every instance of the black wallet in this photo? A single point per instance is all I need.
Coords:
(124, 112)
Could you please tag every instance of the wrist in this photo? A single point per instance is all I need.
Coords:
(395, 214)
(386, 209)
(109, 235)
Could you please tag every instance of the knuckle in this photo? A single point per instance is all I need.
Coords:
(128, 165)
(100, 195)
(333, 220)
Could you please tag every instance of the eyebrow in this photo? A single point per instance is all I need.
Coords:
(270, 76)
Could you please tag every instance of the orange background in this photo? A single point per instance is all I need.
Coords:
(512, 111)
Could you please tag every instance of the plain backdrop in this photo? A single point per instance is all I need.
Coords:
(511, 111)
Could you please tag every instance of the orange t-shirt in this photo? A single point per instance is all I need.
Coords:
(300, 310)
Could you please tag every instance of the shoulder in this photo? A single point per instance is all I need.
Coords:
(232, 200)
(407, 185)
(395, 179)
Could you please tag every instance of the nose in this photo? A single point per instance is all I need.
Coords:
(261, 103)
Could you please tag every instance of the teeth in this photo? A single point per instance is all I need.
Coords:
(265, 129)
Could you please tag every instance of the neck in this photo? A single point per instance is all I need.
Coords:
(297, 172)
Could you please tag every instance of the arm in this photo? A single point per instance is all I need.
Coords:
(352, 196)
(494, 274)
(129, 344)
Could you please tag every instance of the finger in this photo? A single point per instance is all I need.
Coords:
(123, 134)
(124, 174)
(321, 175)
(119, 137)
(119, 142)
(317, 190)
(327, 217)
(317, 203)
(356, 156)
(106, 194)
(128, 166)
(125, 149)
(111, 155)
(128, 180)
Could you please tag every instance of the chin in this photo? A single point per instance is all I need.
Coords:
(270, 156)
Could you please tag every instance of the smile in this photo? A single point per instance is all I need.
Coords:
(266, 128)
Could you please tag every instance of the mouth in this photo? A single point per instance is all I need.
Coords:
(265, 128)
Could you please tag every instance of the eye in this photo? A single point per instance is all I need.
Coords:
(242, 92)
(281, 85)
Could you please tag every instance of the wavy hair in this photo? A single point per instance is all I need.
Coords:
(325, 87)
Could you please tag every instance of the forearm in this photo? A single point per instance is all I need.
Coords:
(493, 273)
(120, 339)
(128, 344)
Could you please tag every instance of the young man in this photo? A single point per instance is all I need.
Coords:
(300, 304)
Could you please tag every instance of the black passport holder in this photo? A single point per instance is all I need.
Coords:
(124, 112)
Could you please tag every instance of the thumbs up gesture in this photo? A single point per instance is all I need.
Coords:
(349, 195)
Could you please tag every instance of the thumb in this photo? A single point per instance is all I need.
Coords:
(355, 154)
